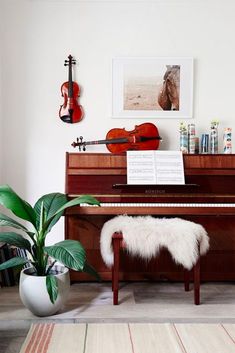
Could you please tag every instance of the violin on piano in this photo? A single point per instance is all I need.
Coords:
(142, 137)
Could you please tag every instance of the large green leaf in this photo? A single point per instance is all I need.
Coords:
(74, 202)
(52, 287)
(7, 221)
(90, 269)
(81, 199)
(21, 208)
(15, 239)
(69, 252)
(51, 203)
(13, 262)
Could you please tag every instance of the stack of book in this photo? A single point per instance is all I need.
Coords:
(7, 277)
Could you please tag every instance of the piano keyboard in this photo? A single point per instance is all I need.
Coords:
(107, 204)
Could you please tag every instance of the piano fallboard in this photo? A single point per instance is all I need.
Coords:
(208, 198)
(166, 210)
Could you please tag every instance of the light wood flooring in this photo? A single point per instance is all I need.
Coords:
(139, 303)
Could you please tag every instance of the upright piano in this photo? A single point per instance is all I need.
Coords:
(208, 198)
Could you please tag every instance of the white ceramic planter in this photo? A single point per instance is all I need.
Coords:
(34, 296)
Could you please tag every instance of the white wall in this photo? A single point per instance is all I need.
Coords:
(1, 102)
(39, 35)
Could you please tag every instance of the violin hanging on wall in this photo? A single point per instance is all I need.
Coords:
(143, 137)
(71, 111)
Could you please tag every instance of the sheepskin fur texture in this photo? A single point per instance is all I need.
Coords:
(145, 236)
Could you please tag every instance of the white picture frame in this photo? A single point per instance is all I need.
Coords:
(137, 82)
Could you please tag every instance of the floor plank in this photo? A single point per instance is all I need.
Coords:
(11, 340)
(139, 302)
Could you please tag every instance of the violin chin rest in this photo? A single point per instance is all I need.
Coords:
(66, 119)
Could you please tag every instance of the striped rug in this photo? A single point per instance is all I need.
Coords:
(130, 338)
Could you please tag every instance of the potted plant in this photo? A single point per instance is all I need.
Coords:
(42, 217)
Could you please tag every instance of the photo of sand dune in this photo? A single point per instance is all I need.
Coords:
(141, 93)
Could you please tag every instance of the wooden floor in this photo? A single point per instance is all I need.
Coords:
(139, 303)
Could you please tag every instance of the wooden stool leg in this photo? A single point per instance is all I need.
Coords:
(186, 280)
(197, 282)
(115, 270)
(112, 278)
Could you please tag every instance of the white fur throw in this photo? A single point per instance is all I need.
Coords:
(145, 236)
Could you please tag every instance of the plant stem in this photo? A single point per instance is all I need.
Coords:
(40, 255)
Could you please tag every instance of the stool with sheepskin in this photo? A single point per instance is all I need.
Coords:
(145, 236)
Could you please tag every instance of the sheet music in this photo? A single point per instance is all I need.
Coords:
(141, 167)
(155, 167)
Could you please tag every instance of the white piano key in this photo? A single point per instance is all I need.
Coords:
(130, 204)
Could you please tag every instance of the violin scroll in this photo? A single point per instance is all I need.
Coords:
(71, 61)
(79, 143)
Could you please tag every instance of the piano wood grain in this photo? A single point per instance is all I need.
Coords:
(156, 211)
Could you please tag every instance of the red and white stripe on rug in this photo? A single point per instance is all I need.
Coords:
(130, 338)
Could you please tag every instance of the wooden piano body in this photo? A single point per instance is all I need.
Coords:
(207, 198)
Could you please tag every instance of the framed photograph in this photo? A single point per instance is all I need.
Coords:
(154, 87)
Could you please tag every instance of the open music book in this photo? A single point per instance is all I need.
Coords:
(155, 167)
